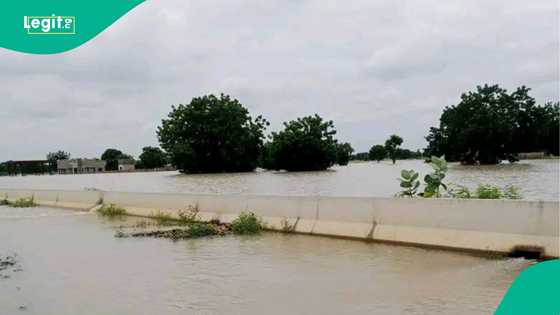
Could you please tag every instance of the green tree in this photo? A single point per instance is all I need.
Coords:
(392, 145)
(53, 157)
(152, 157)
(361, 156)
(343, 153)
(212, 135)
(490, 124)
(112, 156)
(377, 153)
(305, 144)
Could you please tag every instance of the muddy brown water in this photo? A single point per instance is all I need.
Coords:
(71, 263)
(537, 180)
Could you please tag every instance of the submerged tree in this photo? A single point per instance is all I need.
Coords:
(343, 153)
(53, 157)
(112, 156)
(490, 125)
(392, 145)
(377, 153)
(305, 144)
(152, 157)
(212, 135)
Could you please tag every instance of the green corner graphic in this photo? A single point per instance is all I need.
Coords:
(25, 26)
(536, 291)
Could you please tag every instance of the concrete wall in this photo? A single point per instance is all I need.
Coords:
(81, 200)
(486, 225)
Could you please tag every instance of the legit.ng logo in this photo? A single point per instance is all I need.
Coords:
(50, 25)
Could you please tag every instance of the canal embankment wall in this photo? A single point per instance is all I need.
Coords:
(466, 224)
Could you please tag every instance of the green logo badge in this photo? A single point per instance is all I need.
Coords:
(50, 25)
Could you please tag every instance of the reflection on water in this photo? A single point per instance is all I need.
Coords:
(72, 264)
(538, 180)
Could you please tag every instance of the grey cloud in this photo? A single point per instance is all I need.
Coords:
(374, 67)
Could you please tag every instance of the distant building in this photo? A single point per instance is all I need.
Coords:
(126, 165)
(80, 166)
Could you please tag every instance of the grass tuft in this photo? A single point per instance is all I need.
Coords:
(111, 211)
(22, 203)
(164, 218)
(202, 229)
(247, 223)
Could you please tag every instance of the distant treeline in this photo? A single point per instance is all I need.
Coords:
(215, 134)
(490, 125)
(401, 154)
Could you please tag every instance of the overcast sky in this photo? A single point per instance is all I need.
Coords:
(374, 67)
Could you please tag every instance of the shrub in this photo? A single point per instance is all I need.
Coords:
(410, 183)
(4, 202)
(488, 192)
(493, 192)
(434, 181)
(23, 203)
(111, 211)
(202, 229)
(460, 192)
(247, 223)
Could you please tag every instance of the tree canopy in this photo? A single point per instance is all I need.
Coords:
(212, 135)
(392, 145)
(305, 144)
(377, 153)
(53, 157)
(152, 157)
(343, 153)
(490, 124)
(112, 156)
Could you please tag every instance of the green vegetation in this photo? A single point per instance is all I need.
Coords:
(53, 157)
(24, 167)
(151, 157)
(4, 202)
(434, 180)
(460, 192)
(190, 216)
(434, 187)
(391, 149)
(164, 218)
(488, 192)
(392, 145)
(212, 135)
(343, 153)
(111, 211)
(20, 203)
(305, 144)
(493, 192)
(199, 229)
(377, 153)
(112, 157)
(410, 183)
(490, 125)
(247, 223)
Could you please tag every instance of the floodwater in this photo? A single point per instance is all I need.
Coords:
(537, 180)
(71, 263)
